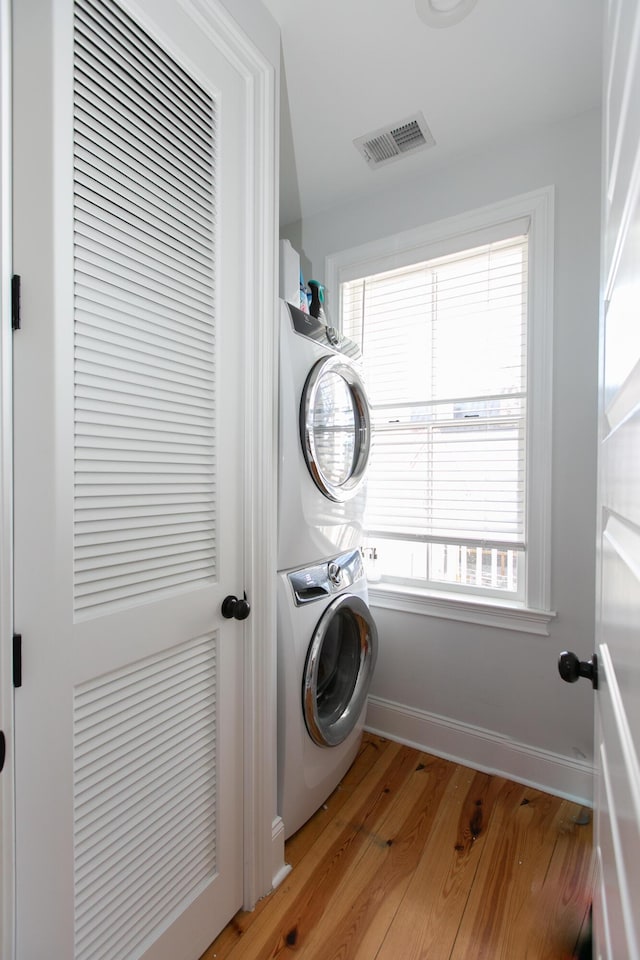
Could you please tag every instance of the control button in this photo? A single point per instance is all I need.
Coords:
(335, 573)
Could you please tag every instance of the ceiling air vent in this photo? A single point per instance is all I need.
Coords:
(391, 143)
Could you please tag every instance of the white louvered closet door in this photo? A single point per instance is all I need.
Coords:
(130, 173)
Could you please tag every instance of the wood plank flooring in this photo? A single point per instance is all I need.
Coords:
(417, 858)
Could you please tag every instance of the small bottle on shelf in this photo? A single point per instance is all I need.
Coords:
(316, 308)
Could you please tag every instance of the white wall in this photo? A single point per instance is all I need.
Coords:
(7, 903)
(259, 25)
(501, 681)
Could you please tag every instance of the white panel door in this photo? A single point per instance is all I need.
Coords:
(130, 231)
(617, 741)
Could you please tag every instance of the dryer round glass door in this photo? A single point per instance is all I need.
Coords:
(338, 670)
(335, 428)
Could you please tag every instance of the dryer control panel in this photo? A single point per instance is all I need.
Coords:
(316, 330)
(326, 579)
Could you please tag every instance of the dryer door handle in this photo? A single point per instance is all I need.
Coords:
(235, 609)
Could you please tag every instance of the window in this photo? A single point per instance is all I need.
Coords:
(444, 347)
(455, 338)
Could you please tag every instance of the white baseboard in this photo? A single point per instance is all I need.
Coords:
(280, 869)
(483, 750)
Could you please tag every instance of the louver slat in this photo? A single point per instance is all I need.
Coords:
(91, 307)
(100, 260)
(143, 56)
(145, 196)
(144, 796)
(119, 241)
(134, 295)
(158, 111)
(145, 492)
(95, 128)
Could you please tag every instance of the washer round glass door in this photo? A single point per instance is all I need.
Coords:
(335, 428)
(338, 670)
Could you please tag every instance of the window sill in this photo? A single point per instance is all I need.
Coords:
(448, 606)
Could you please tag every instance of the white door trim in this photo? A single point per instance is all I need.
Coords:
(260, 740)
(262, 861)
(7, 813)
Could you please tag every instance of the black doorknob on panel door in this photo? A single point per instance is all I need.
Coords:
(235, 609)
(571, 669)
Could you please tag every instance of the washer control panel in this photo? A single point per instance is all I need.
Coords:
(326, 579)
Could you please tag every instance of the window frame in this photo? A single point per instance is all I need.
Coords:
(442, 238)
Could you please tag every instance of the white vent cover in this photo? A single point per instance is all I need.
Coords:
(391, 143)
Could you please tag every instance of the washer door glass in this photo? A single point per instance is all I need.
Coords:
(335, 427)
(338, 671)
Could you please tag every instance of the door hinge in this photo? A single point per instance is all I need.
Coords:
(15, 302)
(3, 749)
(17, 659)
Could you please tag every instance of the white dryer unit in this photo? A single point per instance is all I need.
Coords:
(324, 442)
(327, 649)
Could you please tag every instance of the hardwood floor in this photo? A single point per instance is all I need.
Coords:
(416, 857)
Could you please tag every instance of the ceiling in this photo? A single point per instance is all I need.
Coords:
(353, 66)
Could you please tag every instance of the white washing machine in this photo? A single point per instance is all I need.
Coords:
(324, 442)
(327, 649)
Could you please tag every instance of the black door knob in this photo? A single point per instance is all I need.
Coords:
(571, 669)
(234, 608)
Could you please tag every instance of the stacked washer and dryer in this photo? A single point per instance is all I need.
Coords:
(327, 638)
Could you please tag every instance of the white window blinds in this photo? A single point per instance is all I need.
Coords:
(444, 345)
